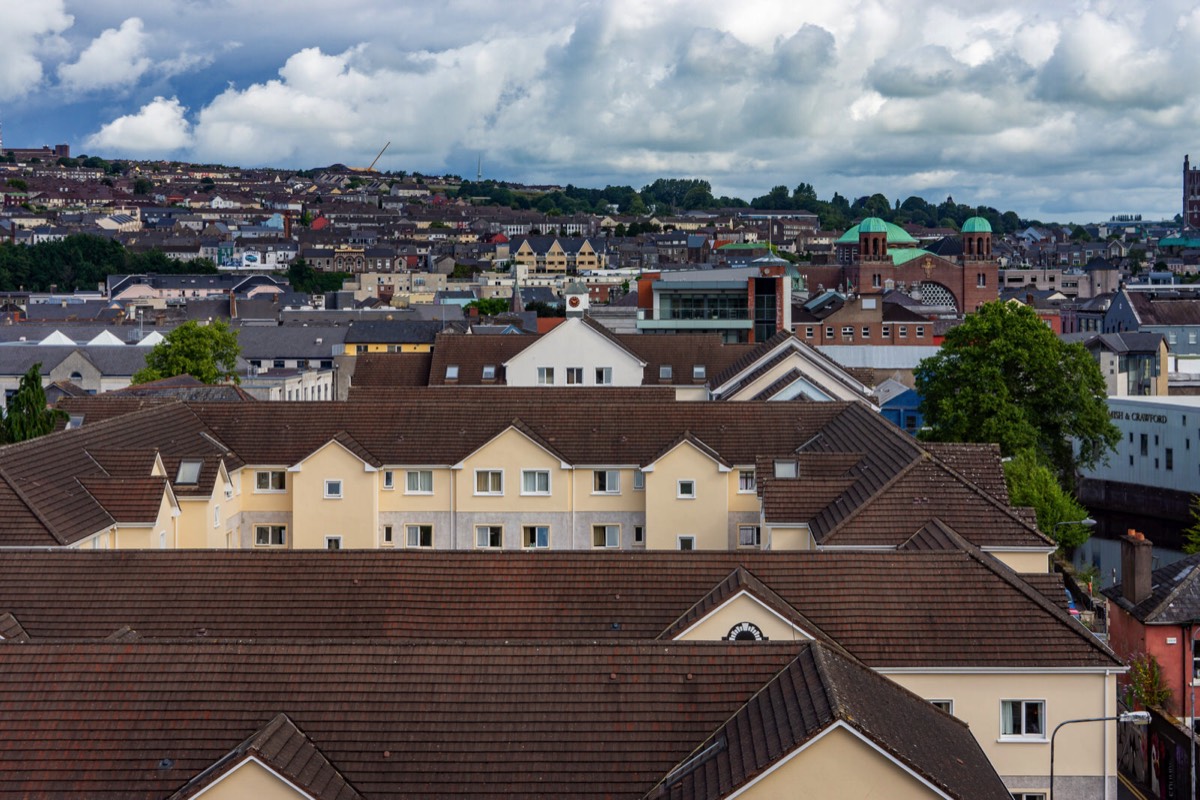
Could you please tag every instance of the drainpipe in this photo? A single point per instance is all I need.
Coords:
(1189, 671)
(1107, 713)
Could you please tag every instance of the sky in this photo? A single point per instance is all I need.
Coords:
(1063, 111)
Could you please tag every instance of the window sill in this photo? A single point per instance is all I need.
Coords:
(270, 491)
(332, 497)
(488, 494)
(418, 494)
(606, 494)
(536, 494)
(1023, 740)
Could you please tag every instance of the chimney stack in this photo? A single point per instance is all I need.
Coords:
(1136, 560)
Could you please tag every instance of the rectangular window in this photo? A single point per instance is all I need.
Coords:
(545, 376)
(687, 542)
(1145, 444)
(489, 481)
(639, 480)
(270, 481)
(389, 479)
(603, 376)
(418, 481)
(535, 481)
(866, 331)
(639, 534)
(333, 489)
(574, 376)
(270, 535)
(189, 472)
(920, 331)
(606, 481)
(1029, 796)
(1023, 718)
(418, 535)
(944, 705)
(876, 280)
(387, 535)
(664, 372)
(746, 483)
(685, 490)
(886, 331)
(785, 469)
(536, 536)
(606, 536)
(847, 331)
(749, 536)
(489, 535)
(1170, 458)
(698, 372)
(981, 279)
(216, 516)
(452, 372)
(333, 543)
(902, 331)
(489, 372)
(828, 331)
(808, 331)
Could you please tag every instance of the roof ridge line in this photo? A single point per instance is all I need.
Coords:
(988, 496)
(38, 514)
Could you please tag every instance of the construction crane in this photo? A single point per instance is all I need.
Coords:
(373, 163)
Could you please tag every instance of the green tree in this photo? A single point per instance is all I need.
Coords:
(206, 352)
(489, 306)
(1003, 376)
(143, 186)
(1191, 534)
(28, 414)
(1032, 484)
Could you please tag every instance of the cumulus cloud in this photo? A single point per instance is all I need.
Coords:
(159, 128)
(29, 28)
(115, 58)
(903, 97)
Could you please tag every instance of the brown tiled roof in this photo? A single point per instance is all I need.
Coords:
(129, 501)
(978, 463)
(681, 353)
(749, 356)
(815, 691)
(887, 608)
(471, 353)
(383, 370)
(822, 478)
(1153, 308)
(286, 750)
(1050, 584)
(124, 462)
(138, 721)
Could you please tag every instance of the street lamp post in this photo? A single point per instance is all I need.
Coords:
(1086, 522)
(1135, 717)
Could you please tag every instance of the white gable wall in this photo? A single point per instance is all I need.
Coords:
(574, 344)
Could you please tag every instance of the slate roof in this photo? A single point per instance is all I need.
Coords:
(399, 331)
(376, 370)
(1165, 308)
(886, 608)
(1174, 598)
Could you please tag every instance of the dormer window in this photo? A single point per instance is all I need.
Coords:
(189, 471)
(489, 372)
(698, 372)
(664, 372)
(785, 468)
(452, 372)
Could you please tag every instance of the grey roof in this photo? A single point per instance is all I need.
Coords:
(291, 341)
(109, 359)
(1174, 598)
(1122, 343)
(394, 331)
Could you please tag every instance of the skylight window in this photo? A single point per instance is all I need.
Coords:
(452, 372)
(189, 472)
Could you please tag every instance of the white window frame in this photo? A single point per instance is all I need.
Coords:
(388, 539)
(920, 331)
(1023, 736)
(808, 331)
(526, 474)
(689, 539)
(419, 473)
(490, 492)
(604, 376)
(902, 331)
(612, 486)
(665, 372)
(452, 372)
(886, 331)
(499, 544)
(332, 495)
(639, 534)
(216, 516)
(389, 479)
(269, 529)
(270, 475)
(611, 534)
(417, 527)
(945, 704)
(699, 372)
(742, 482)
(190, 465)
(574, 376)
(333, 540)
(534, 543)
(489, 372)
(545, 376)
(680, 494)
(639, 480)
(757, 536)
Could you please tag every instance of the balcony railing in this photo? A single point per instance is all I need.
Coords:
(675, 314)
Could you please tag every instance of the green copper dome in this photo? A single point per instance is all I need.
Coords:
(895, 234)
(977, 225)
